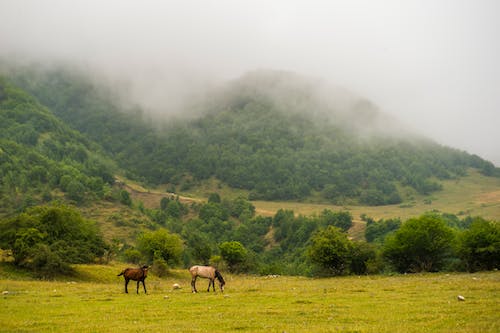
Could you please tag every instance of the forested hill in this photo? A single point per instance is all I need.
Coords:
(42, 159)
(268, 133)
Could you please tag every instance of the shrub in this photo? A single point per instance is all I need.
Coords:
(330, 249)
(480, 245)
(421, 245)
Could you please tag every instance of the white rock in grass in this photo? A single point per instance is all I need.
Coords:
(176, 286)
(460, 298)
(5, 292)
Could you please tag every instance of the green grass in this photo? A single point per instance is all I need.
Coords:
(474, 195)
(94, 302)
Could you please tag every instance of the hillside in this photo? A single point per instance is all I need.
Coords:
(65, 140)
(42, 159)
(272, 134)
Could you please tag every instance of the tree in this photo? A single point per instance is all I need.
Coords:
(161, 244)
(214, 197)
(341, 220)
(125, 198)
(421, 245)
(330, 249)
(234, 254)
(377, 231)
(46, 239)
(199, 246)
(362, 253)
(480, 245)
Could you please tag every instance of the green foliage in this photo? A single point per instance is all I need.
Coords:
(133, 256)
(421, 245)
(362, 254)
(125, 198)
(234, 254)
(160, 244)
(377, 231)
(330, 249)
(214, 197)
(47, 239)
(47, 263)
(59, 141)
(480, 245)
(341, 220)
(247, 141)
(39, 154)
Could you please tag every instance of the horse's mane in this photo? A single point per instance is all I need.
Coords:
(219, 277)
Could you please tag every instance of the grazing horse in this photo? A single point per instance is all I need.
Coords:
(136, 274)
(207, 272)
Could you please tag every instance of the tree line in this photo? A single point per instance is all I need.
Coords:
(248, 142)
(228, 234)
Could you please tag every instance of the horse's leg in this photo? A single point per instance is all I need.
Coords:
(126, 284)
(193, 285)
(138, 281)
(144, 285)
(211, 282)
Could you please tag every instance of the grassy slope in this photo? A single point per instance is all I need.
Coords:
(95, 301)
(474, 195)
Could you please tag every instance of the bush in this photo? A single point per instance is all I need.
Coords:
(480, 245)
(161, 244)
(234, 254)
(331, 250)
(133, 256)
(47, 239)
(47, 264)
(421, 245)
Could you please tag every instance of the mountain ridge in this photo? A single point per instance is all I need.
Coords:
(255, 141)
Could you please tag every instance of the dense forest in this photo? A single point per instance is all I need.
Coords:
(64, 139)
(253, 140)
(40, 155)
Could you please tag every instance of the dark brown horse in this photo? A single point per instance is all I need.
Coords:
(207, 272)
(136, 274)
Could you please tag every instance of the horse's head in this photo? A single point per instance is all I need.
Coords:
(221, 280)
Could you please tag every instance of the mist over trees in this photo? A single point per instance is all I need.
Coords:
(64, 139)
(261, 135)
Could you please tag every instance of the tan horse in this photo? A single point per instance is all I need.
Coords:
(207, 272)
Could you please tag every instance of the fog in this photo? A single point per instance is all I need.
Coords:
(432, 64)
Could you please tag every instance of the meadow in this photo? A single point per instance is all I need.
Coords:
(474, 195)
(94, 301)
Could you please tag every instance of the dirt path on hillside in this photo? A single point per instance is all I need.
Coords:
(152, 199)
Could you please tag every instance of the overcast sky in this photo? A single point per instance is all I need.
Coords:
(434, 64)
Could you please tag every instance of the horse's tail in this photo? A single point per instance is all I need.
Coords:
(121, 273)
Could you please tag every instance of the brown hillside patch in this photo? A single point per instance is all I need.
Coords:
(489, 197)
(357, 231)
(151, 199)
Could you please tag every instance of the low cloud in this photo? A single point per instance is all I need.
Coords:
(431, 64)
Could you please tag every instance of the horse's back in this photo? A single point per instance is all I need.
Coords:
(202, 271)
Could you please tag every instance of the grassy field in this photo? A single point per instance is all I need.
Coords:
(474, 195)
(93, 301)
